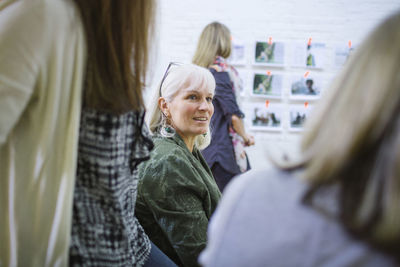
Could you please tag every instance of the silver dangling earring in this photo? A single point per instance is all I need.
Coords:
(166, 129)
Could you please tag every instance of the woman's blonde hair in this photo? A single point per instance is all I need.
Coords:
(181, 77)
(118, 35)
(215, 40)
(353, 140)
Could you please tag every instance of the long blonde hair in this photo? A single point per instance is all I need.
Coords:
(353, 140)
(183, 77)
(118, 34)
(215, 40)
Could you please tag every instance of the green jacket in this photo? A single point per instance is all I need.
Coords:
(177, 195)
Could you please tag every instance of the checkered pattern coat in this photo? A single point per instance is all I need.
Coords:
(105, 231)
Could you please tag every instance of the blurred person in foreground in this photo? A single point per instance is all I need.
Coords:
(226, 154)
(113, 138)
(42, 63)
(57, 56)
(339, 206)
(177, 193)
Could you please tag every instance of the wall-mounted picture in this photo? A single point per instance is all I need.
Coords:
(238, 53)
(309, 55)
(269, 53)
(266, 118)
(298, 116)
(307, 88)
(243, 81)
(267, 85)
(342, 53)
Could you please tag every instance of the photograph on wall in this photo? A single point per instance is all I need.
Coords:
(269, 53)
(243, 81)
(267, 85)
(266, 118)
(342, 54)
(298, 116)
(309, 55)
(307, 87)
(238, 53)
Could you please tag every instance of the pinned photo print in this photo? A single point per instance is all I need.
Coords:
(307, 87)
(238, 53)
(267, 118)
(267, 85)
(309, 55)
(242, 82)
(298, 116)
(342, 54)
(269, 53)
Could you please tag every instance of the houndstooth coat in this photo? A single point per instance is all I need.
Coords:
(105, 231)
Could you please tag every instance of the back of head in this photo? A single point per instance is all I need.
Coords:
(181, 77)
(354, 139)
(118, 35)
(215, 40)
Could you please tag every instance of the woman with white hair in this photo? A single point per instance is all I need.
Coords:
(177, 193)
(338, 206)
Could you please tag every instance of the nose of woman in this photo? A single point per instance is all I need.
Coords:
(204, 104)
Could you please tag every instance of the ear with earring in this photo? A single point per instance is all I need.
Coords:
(166, 129)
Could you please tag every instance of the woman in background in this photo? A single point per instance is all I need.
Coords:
(113, 139)
(340, 205)
(177, 193)
(225, 155)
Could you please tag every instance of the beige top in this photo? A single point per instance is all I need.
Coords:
(42, 58)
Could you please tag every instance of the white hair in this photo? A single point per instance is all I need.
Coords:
(186, 77)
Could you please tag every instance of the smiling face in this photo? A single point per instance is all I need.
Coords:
(190, 112)
(186, 101)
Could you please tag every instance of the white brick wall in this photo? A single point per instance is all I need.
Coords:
(180, 23)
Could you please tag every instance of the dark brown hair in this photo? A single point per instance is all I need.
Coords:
(118, 36)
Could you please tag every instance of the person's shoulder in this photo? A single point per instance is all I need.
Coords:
(165, 148)
(166, 156)
(46, 17)
(43, 8)
(264, 179)
(219, 74)
(37, 24)
(255, 183)
(64, 12)
(254, 208)
(167, 168)
(248, 193)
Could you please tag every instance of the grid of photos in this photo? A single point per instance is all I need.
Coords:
(267, 85)
(297, 116)
(269, 53)
(266, 118)
(267, 80)
(309, 55)
(305, 87)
